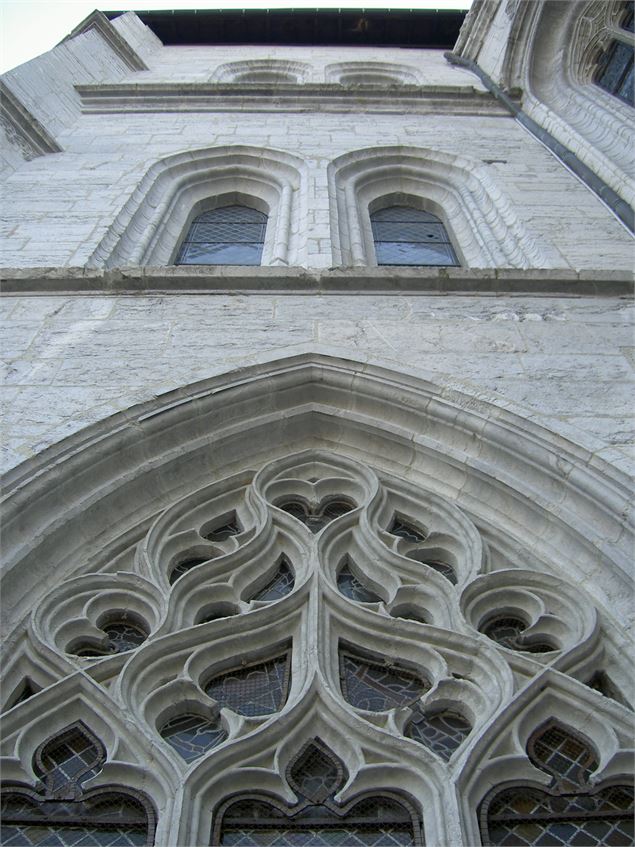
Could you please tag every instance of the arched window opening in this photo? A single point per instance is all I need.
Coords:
(230, 235)
(316, 818)
(571, 811)
(60, 811)
(406, 236)
(615, 72)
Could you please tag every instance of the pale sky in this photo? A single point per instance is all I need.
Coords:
(31, 27)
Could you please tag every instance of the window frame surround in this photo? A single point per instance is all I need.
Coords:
(152, 224)
(478, 216)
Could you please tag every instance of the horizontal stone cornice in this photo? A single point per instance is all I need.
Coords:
(224, 279)
(215, 97)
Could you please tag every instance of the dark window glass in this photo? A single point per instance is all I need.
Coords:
(377, 687)
(316, 776)
(122, 636)
(60, 813)
(352, 588)
(258, 689)
(403, 529)
(508, 632)
(571, 812)
(615, 71)
(405, 236)
(231, 235)
(443, 732)
(278, 587)
(192, 735)
(316, 517)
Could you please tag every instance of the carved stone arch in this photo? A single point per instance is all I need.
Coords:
(418, 468)
(550, 55)
(371, 74)
(148, 229)
(263, 71)
(500, 756)
(479, 218)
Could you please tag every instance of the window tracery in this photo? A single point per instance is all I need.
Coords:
(61, 811)
(418, 666)
(317, 818)
(571, 811)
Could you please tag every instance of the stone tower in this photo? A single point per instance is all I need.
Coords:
(318, 429)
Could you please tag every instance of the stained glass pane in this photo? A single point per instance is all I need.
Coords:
(124, 636)
(192, 735)
(70, 757)
(443, 732)
(351, 587)
(406, 530)
(108, 819)
(233, 235)
(615, 73)
(525, 816)
(281, 584)
(185, 566)
(225, 530)
(332, 836)
(507, 631)
(568, 758)
(375, 687)
(316, 775)
(254, 690)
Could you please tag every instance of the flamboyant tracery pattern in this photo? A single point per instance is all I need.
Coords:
(258, 689)
(571, 812)
(317, 819)
(61, 812)
(311, 597)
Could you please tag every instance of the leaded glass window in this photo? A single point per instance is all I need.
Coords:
(257, 689)
(443, 731)
(122, 635)
(60, 812)
(192, 735)
(615, 71)
(316, 818)
(571, 811)
(351, 587)
(230, 235)
(376, 687)
(279, 586)
(406, 236)
(507, 630)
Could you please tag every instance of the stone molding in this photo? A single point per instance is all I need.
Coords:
(108, 98)
(176, 189)
(363, 74)
(98, 22)
(262, 71)
(479, 218)
(526, 520)
(211, 279)
(22, 128)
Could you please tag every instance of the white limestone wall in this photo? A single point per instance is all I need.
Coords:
(62, 205)
(566, 362)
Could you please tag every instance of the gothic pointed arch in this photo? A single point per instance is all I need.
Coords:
(401, 520)
(151, 225)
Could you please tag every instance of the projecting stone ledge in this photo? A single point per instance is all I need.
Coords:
(282, 280)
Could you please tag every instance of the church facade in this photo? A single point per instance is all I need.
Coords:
(319, 449)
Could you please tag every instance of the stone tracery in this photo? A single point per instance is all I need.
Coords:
(214, 623)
